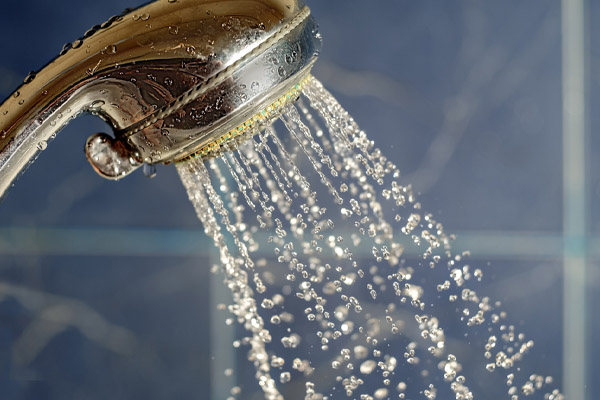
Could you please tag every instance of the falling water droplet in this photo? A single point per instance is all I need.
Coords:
(66, 48)
(150, 170)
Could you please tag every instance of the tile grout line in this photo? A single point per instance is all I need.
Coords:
(575, 248)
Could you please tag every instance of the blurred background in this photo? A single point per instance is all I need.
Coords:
(106, 290)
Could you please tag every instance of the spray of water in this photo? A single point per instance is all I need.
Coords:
(322, 320)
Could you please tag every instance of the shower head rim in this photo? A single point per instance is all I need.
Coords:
(265, 62)
(218, 77)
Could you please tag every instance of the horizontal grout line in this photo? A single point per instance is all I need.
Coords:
(27, 241)
(48, 241)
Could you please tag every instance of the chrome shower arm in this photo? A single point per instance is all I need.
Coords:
(170, 78)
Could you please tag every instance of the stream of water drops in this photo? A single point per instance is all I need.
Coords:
(359, 283)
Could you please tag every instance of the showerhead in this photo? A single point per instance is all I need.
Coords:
(175, 79)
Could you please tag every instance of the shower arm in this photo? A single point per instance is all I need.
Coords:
(174, 79)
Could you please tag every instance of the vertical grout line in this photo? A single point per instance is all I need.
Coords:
(222, 336)
(574, 197)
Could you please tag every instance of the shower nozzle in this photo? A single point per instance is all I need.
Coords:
(174, 79)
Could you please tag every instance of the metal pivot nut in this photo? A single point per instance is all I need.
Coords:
(109, 157)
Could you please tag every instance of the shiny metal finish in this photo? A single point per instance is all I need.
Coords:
(170, 77)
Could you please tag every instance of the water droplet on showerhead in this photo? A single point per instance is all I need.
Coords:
(30, 77)
(42, 145)
(110, 49)
(150, 170)
(97, 104)
(107, 24)
(66, 48)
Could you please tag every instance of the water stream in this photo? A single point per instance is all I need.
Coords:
(362, 282)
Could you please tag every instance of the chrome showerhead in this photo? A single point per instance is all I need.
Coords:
(175, 79)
